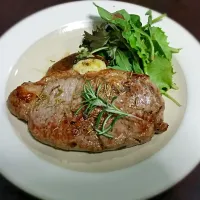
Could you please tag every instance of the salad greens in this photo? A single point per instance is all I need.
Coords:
(130, 46)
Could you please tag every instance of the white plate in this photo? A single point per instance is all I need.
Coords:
(111, 175)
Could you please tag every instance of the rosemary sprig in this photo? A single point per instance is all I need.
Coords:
(92, 100)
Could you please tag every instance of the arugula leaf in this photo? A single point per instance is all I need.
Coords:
(122, 61)
(136, 42)
(159, 36)
(135, 21)
(148, 40)
(104, 13)
(160, 39)
(116, 67)
(117, 18)
(122, 14)
(136, 68)
(97, 39)
(160, 72)
(157, 19)
(149, 13)
(111, 52)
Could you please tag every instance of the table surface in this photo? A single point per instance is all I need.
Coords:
(186, 12)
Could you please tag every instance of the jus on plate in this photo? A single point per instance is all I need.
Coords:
(138, 70)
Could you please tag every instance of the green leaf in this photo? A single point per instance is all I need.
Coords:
(157, 19)
(97, 39)
(141, 47)
(122, 61)
(135, 21)
(160, 72)
(142, 39)
(118, 18)
(149, 13)
(136, 68)
(137, 42)
(122, 14)
(116, 67)
(111, 52)
(104, 13)
(159, 36)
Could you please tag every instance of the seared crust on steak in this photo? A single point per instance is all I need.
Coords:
(49, 106)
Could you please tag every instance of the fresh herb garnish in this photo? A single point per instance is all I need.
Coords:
(128, 45)
(92, 100)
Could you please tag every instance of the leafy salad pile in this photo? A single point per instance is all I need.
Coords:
(130, 46)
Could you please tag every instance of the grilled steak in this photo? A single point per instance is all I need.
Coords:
(49, 105)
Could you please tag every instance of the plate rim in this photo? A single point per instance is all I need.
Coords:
(9, 33)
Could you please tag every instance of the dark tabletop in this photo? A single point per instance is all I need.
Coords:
(186, 12)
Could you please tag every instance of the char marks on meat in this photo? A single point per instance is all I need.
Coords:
(49, 105)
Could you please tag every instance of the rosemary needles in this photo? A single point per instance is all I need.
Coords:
(92, 100)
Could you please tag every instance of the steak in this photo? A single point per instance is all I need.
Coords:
(49, 106)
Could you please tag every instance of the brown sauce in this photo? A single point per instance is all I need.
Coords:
(67, 63)
(63, 64)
